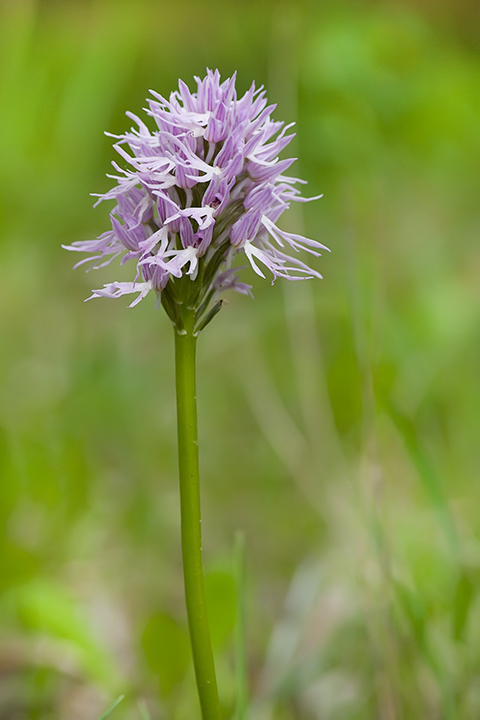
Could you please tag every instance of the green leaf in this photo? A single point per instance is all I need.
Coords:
(426, 469)
(46, 607)
(464, 594)
(413, 606)
(167, 650)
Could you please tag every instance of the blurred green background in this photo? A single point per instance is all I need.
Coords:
(339, 420)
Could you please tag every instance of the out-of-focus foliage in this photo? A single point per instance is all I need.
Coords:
(339, 420)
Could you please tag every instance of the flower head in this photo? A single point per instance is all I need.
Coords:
(205, 185)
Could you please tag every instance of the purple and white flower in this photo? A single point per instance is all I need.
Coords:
(207, 180)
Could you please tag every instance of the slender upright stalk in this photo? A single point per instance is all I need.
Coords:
(185, 345)
(241, 709)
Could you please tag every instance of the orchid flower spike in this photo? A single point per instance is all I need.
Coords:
(203, 187)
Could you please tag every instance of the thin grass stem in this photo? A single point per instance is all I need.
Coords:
(241, 710)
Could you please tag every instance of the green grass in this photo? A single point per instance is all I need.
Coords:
(339, 419)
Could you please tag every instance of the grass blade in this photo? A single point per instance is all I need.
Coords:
(240, 634)
(111, 707)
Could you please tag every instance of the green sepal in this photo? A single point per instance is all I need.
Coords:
(170, 306)
(203, 323)
(203, 307)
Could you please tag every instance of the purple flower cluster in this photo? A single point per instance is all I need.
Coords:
(201, 188)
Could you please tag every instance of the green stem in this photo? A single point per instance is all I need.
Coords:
(191, 524)
(241, 709)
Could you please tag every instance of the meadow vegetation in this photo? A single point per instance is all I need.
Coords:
(339, 419)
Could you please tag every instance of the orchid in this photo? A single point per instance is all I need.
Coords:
(203, 187)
